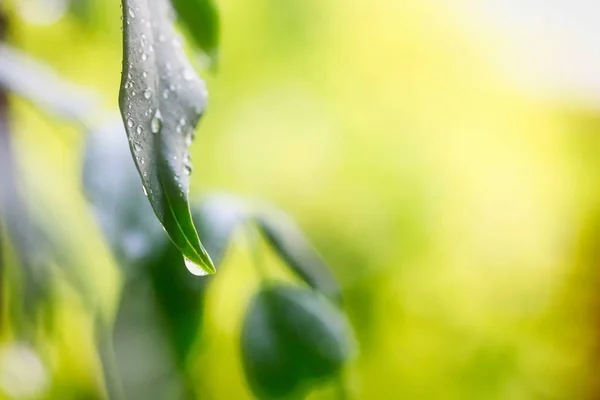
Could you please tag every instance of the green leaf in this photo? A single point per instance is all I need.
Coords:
(289, 242)
(161, 101)
(201, 19)
(292, 337)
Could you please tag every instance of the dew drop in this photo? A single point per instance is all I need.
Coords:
(193, 268)
(161, 38)
(130, 123)
(139, 130)
(187, 166)
(147, 94)
(188, 75)
(144, 57)
(145, 192)
(156, 123)
(131, 13)
(189, 139)
(166, 94)
(172, 87)
(144, 74)
(178, 129)
(137, 147)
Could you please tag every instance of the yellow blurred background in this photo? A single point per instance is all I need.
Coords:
(442, 156)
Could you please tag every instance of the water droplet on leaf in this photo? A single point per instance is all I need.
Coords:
(156, 123)
(193, 268)
(188, 75)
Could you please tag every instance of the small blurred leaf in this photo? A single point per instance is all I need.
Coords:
(292, 337)
(201, 18)
(161, 101)
(292, 246)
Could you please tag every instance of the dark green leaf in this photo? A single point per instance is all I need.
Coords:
(216, 218)
(161, 101)
(201, 19)
(292, 246)
(291, 338)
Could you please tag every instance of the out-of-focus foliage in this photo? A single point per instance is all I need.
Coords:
(457, 208)
(292, 337)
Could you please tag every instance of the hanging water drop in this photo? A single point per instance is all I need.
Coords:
(156, 123)
(193, 268)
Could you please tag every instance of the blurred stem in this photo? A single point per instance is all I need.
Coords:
(4, 155)
(342, 391)
(255, 250)
(110, 370)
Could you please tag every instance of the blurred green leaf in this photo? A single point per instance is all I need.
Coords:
(161, 101)
(36, 82)
(289, 242)
(291, 338)
(201, 19)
